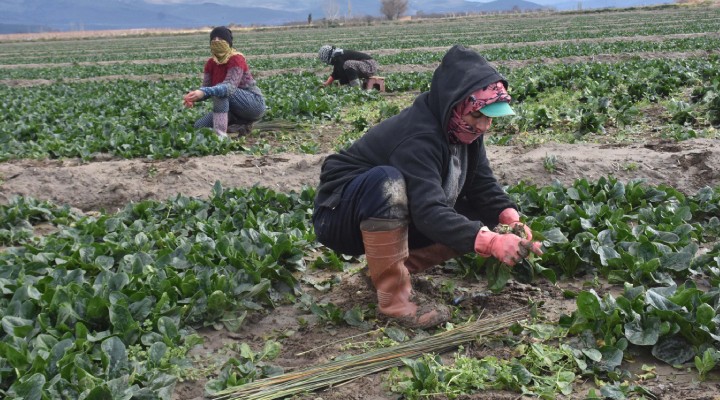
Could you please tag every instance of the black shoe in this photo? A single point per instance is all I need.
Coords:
(240, 129)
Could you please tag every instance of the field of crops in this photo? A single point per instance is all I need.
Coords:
(143, 259)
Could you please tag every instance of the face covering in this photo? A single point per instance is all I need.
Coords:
(221, 51)
(459, 130)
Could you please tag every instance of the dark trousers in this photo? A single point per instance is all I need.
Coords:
(360, 69)
(363, 198)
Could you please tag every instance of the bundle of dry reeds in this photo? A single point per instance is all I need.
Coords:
(277, 125)
(342, 371)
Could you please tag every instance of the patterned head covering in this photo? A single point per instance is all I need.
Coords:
(460, 131)
(223, 33)
(325, 54)
(221, 51)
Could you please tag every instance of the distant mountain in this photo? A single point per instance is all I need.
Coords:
(564, 5)
(45, 15)
(34, 15)
(463, 6)
(502, 5)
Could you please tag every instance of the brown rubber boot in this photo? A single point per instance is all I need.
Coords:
(427, 257)
(386, 250)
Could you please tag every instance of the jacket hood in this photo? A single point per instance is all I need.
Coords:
(462, 71)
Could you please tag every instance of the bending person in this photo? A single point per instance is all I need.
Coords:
(350, 67)
(417, 189)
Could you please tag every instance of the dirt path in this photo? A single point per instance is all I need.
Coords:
(687, 166)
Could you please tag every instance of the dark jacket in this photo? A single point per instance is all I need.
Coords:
(416, 143)
(338, 61)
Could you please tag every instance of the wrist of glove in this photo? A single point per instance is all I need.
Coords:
(507, 248)
(511, 217)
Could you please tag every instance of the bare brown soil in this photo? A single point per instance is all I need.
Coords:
(687, 166)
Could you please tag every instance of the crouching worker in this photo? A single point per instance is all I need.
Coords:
(417, 189)
(236, 99)
(350, 67)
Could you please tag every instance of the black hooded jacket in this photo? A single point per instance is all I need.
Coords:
(338, 63)
(416, 143)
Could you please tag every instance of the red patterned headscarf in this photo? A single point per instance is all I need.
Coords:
(459, 130)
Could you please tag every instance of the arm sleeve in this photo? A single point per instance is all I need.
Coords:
(338, 71)
(235, 70)
(484, 191)
(207, 75)
(422, 167)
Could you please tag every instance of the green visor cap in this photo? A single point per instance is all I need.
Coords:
(497, 109)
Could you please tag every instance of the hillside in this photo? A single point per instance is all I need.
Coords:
(20, 16)
(34, 15)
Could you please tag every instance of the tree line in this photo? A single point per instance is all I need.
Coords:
(391, 9)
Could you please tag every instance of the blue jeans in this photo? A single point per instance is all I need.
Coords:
(243, 106)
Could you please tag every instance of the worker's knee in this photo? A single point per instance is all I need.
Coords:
(394, 191)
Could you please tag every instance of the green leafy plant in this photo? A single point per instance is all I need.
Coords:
(176, 264)
(682, 113)
(550, 163)
(538, 370)
(21, 214)
(246, 366)
(388, 110)
(706, 362)
(630, 166)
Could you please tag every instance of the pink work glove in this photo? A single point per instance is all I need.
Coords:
(507, 248)
(510, 216)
